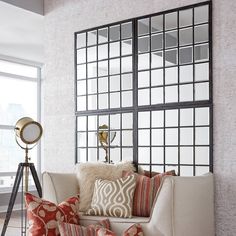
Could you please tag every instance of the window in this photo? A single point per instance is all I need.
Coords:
(19, 97)
(149, 80)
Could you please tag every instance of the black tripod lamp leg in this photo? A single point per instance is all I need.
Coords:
(16, 185)
(36, 180)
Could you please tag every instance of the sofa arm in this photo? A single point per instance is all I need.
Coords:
(59, 186)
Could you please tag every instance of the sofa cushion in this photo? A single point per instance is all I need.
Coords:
(113, 198)
(87, 173)
(44, 215)
(145, 192)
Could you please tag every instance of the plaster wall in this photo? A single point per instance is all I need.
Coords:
(64, 17)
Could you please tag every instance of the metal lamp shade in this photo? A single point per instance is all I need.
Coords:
(28, 130)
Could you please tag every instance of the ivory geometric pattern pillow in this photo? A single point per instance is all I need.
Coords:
(67, 229)
(145, 192)
(113, 198)
(43, 216)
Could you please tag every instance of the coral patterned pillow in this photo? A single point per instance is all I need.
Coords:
(67, 229)
(43, 216)
(134, 230)
(145, 192)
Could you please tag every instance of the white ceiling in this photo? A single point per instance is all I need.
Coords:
(21, 33)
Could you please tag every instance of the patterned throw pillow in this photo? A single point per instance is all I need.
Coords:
(145, 192)
(113, 198)
(43, 216)
(67, 229)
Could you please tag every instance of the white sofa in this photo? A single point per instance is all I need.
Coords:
(184, 206)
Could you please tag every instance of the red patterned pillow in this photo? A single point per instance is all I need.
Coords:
(67, 229)
(104, 232)
(134, 230)
(43, 216)
(145, 192)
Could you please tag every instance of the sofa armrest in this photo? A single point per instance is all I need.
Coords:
(59, 186)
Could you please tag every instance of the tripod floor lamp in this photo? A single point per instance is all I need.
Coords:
(27, 133)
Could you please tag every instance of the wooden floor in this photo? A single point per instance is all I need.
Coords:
(14, 226)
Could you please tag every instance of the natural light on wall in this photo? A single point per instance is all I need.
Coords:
(19, 97)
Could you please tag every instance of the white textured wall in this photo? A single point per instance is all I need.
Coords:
(64, 17)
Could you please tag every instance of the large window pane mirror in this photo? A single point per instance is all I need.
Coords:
(146, 83)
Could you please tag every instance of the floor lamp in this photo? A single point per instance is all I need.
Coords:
(27, 133)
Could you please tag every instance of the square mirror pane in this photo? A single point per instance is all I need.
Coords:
(115, 83)
(186, 73)
(157, 155)
(159, 169)
(171, 57)
(171, 118)
(157, 118)
(102, 35)
(92, 37)
(115, 155)
(186, 170)
(144, 156)
(127, 121)
(92, 123)
(102, 68)
(157, 96)
(103, 101)
(127, 81)
(114, 66)
(171, 75)
(114, 32)
(126, 64)
(81, 155)
(92, 69)
(143, 97)
(201, 14)
(143, 79)
(116, 141)
(126, 47)
(186, 136)
(82, 139)
(156, 41)
(92, 102)
(171, 39)
(144, 119)
(103, 51)
(185, 17)
(114, 49)
(157, 23)
(202, 72)
(103, 84)
(171, 94)
(101, 154)
(157, 137)
(202, 136)
(127, 154)
(81, 123)
(202, 155)
(157, 77)
(115, 121)
(114, 100)
(92, 54)
(81, 87)
(92, 139)
(201, 170)
(81, 72)
(186, 117)
(171, 136)
(171, 21)
(202, 116)
(201, 91)
(201, 33)
(81, 56)
(186, 155)
(103, 120)
(171, 154)
(185, 36)
(144, 137)
(92, 154)
(143, 44)
(126, 30)
(143, 26)
(127, 99)
(81, 40)
(143, 61)
(186, 55)
(186, 92)
(81, 103)
(92, 86)
(157, 59)
(201, 52)
(127, 138)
